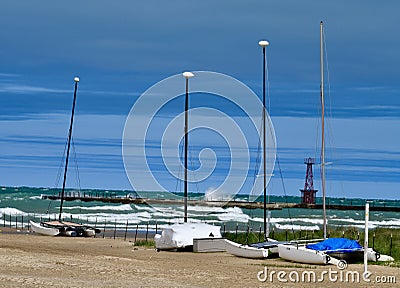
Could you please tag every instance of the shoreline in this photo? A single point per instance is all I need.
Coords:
(28, 260)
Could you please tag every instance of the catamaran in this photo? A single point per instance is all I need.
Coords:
(269, 246)
(60, 227)
(332, 250)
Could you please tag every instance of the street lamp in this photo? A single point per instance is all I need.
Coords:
(187, 76)
(264, 44)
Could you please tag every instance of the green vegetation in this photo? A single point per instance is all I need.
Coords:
(145, 243)
(384, 240)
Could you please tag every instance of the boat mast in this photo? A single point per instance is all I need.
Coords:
(76, 79)
(264, 44)
(323, 127)
(187, 75)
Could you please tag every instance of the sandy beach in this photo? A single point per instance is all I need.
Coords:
(28, 260)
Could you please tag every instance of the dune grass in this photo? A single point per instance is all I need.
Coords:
(145, 243)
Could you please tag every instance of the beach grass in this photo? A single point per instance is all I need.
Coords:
(145, 243)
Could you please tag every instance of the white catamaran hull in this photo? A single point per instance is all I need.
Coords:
(374, 256)
(69, 229)
(245, 251)
(301, 254)
(40, 229)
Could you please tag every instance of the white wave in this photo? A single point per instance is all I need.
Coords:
(144, 208)
(280, 220)
(142, 216)
(106, 219)
(35, 197)
(179, 220)
(233, 214)
(394, 222)
(12, 211)
(348, 220)
(296, 227)
(205, 209)
(171, 214)
(166, 210)
(216, 194)
(124, 207)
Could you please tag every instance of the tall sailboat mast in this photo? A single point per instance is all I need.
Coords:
(187, 76)
(323, 127)
(264, 44)
(76, 79)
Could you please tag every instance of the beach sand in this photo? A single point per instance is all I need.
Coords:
(28, 260)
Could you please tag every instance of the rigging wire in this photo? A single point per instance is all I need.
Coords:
(62, 164)
(331, 138)
(76, 165)
(268, 96)
(58, 177)
(193, 173)
(178, 179)
(284, 192)
(257, 167)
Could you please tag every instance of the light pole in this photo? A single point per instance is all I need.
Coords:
(187, 76)
(264, 44)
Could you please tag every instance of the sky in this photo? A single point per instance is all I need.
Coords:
(121, 49)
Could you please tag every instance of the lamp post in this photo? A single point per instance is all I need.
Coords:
(76, 79)
(264, 44)
(187, 76)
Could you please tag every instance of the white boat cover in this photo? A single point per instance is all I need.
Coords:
(179, 236)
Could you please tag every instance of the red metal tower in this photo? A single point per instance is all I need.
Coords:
(308, 193)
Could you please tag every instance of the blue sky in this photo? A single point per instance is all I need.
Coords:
(122, 48)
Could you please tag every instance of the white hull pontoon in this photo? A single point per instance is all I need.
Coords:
(43, 230)
(301, 254)
(54, 228)
(245, 251)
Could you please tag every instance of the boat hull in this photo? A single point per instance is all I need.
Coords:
(301, 254)
(43, 230)
(68, 229)
(245, 251)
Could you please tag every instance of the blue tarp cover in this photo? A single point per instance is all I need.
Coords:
(336, 245)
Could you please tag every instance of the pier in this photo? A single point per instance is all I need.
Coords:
(128, 199)
(138, 200)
